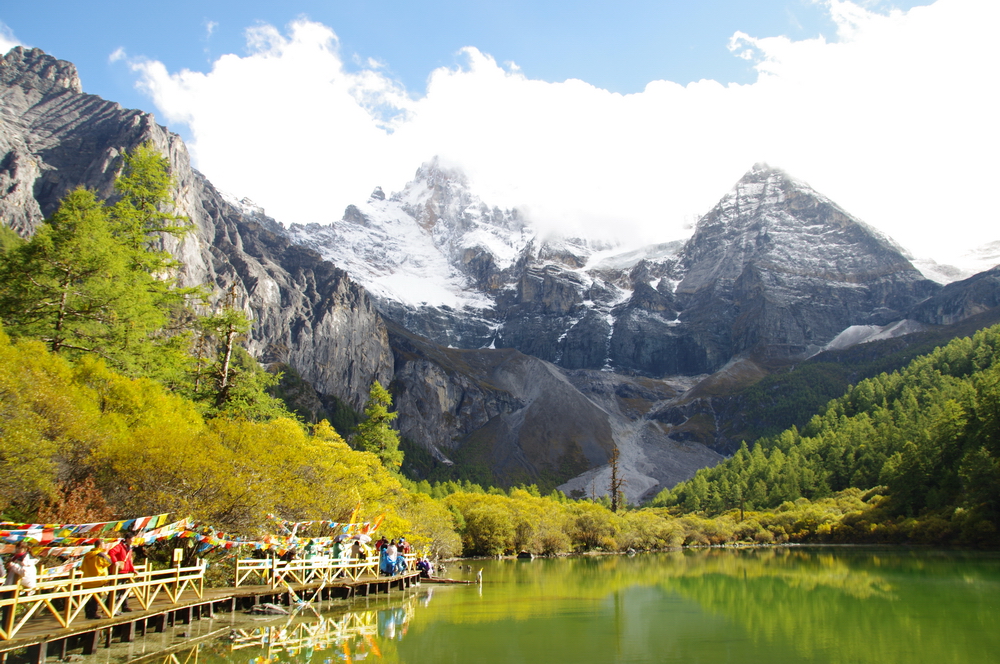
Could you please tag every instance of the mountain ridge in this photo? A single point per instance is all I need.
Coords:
(580, 306)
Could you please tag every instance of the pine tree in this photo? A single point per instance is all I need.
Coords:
(90, 282)
(375, 434)
(142, 213)
(68, 285)
(233, 383)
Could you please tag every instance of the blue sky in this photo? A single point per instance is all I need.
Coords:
(672, 99)
(618, 46)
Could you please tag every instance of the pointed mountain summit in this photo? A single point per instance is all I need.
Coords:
(774, 269)
(432, 247)
(436, 193)
(775, 266)
(772, 219)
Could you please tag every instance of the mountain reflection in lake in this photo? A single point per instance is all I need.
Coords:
(833, 605)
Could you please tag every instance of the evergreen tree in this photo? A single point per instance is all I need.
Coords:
(68, 283)
(142, 213)
(228, 378)
(88, 282)
(375, 434)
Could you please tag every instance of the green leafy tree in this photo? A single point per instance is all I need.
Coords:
(143, 213)
(66, 286)
(90, 282)
(489, 530)
(375, 433)
(8, 239)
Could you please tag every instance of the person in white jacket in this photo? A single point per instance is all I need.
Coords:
(21, 569)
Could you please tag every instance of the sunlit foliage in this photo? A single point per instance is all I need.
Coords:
(928, 435)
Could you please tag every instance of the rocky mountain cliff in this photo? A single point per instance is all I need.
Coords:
(307, 313)
(773, 274)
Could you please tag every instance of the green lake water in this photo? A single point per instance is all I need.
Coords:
(838, 605)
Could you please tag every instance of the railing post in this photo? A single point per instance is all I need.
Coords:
(8, 617)
(113, 597)
(72, 595)
(12, 612)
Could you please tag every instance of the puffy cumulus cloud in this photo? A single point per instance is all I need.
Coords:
(286, 124)
(7, 39)
(894, 120)
(579, 158)
(892, 117)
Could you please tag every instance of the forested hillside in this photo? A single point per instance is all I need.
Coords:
(926, 438)
(121, 393)
(792, 396)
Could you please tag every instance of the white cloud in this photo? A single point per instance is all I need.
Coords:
(210, 27)
(7, 39)
(893, 118)
(117, 54)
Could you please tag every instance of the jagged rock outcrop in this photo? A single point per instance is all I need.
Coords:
(960, 300)
(306, 312)
(514, 413)
(521, 419)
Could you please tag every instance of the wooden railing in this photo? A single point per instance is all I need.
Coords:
(274, 572)
(64, 598)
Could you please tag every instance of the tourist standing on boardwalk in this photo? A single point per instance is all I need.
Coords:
(121, 563)
(20, 569)
(95, 563)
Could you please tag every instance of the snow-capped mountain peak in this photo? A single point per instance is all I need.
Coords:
(444, 264)
(415, 246)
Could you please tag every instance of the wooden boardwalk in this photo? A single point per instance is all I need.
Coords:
(44, 635)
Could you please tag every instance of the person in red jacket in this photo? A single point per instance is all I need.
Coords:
(121, 563)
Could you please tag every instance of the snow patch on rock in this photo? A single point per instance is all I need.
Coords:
(861, 334)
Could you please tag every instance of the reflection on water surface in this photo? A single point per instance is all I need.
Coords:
(766, 605)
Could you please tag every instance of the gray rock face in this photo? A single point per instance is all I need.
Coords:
(960, 300)
(37, 73)
(777, 269)
(514, 413)
(525, 420)
(306, 312)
